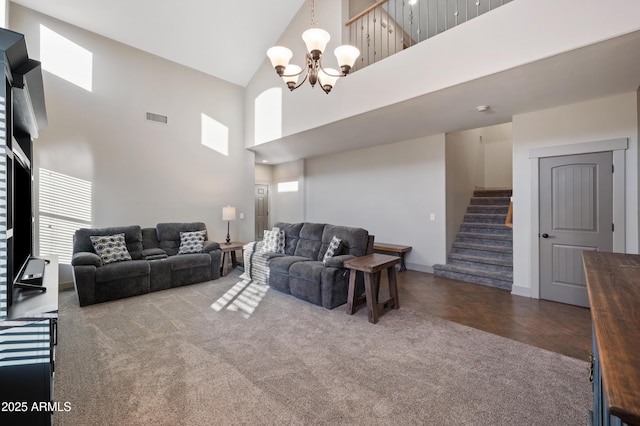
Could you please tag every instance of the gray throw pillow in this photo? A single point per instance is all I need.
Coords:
(192, 242)
(110, 248)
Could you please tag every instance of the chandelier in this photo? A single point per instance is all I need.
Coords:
(316, 40)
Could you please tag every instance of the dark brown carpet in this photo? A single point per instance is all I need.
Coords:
(261, 357)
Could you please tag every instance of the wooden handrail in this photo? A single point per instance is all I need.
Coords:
(509, 220)
(364, 12)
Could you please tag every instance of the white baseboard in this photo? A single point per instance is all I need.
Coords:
(419, 268)
(521, 291)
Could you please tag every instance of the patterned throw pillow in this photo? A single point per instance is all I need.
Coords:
(192, 242)
(334, 247)
(273, 241)
(110, 248)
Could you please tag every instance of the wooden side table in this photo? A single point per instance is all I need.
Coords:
(371, 266)
(393, 248)
(230, 249)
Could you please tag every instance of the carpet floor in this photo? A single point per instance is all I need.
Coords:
(228, 352)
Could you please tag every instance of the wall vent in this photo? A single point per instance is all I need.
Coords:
(157, 118)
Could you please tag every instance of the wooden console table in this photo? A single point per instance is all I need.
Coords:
(614, 294)
(393, 248)
(371, 267)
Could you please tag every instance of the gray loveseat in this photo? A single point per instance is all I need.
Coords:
(300, 270)
(155, 263)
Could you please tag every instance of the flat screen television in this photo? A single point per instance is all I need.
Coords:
(20, 203)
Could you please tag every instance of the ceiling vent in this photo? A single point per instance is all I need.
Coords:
(157, 118)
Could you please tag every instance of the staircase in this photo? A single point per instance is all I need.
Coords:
(483, 250)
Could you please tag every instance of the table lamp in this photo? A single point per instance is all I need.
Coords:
(228, 214)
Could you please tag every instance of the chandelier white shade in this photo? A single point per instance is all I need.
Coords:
(280, 56)
(316, 40)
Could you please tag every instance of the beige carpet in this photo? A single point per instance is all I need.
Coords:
(260, 357)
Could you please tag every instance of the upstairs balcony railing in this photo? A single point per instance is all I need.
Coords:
(389, 26)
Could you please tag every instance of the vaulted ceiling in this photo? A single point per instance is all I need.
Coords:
(224, 38)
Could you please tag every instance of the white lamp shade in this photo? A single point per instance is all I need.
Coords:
(315, 39)
(327, 79)
(291, 73)
(346, 55)
(228, 213)
(280, 56)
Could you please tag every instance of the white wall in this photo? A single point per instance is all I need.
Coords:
(498, 143)
(263, 173)
(390, 190)
(142, 173)
(288, 206)
(598, 120)
(465, 172)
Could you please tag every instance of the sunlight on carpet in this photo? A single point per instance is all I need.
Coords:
(243, 297)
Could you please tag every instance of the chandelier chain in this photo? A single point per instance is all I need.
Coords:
(313, 13)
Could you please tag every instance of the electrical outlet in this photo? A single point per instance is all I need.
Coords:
(241, 215)
(432, 216)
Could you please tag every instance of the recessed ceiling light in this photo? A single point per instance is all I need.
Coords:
(482, 108)
(412, 2)
(265, 161)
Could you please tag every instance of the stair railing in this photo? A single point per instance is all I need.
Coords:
(390, 26)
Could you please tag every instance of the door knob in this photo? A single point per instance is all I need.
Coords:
(545, 235)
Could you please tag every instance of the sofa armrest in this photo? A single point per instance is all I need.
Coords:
(210, 246)
(86, 258)
(338, 261)
(84, 281)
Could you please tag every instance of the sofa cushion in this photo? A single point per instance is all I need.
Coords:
(310, 241)
(305, 279)
(169, 234)
(149, 238)
(192, 242)
(110, 248)
(132, 236)
(292, 235)
(193, 260)
(119, 270)
(354, 240)
(283, 263)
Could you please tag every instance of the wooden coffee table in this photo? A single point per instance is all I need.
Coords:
(227, 249)
(371, 266)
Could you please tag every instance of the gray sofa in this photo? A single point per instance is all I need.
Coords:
(299, 271)
(155, 263)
